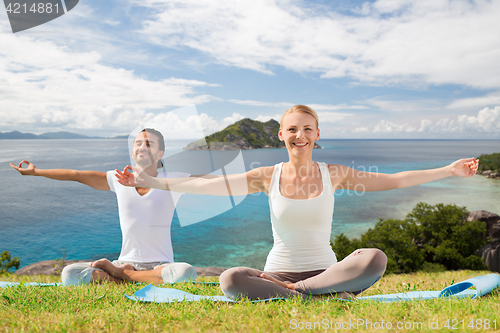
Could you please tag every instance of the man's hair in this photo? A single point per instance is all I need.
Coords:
(161, 142)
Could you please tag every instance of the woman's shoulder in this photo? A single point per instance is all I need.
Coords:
(263, 175)
(263, 172)
(337, 170)
(330, 165)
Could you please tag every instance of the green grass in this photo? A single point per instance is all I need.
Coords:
(97, 308)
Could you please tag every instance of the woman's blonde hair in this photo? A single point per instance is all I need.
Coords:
(303, 109)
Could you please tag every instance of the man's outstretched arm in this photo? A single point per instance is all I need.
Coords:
(95, 179)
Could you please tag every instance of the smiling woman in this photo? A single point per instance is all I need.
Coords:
(299, 129)
(301, 199)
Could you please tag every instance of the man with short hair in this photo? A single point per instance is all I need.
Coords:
(145, 220)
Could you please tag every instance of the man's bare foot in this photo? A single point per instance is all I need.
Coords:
(118, 272)
(290, 286)
(102, 277)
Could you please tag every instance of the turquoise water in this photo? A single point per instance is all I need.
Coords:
(42, 218)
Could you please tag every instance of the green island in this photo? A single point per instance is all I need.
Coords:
(489, 162)
(244, 134)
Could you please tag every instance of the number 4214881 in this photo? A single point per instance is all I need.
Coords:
(36, 8)
(454, 324)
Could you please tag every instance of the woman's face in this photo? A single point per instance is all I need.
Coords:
(299, 131)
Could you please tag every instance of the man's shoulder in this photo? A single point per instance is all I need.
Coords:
(112, 180)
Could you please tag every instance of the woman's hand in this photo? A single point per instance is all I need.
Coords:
(30, 170)
(136, 177)
(465, 167)
(290, 286)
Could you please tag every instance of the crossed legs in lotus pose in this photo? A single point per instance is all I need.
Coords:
(355, 273)
(127, 272)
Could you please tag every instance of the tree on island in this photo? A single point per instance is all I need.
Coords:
(489, 162)
(430, 238)
(6, 262)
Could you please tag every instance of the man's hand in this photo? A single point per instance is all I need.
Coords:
(30, 170)
(465, 167)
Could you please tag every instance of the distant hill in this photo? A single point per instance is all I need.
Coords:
(245, 134)
(51, 135)
(18, 135)
(65, 135)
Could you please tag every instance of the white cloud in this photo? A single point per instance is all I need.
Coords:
(210, 125)
(361, 130)
(321, 109)
(332, 117)
(445, 125)
(425, 124)
(261, 103)
(315, 107)
(264, 119)
(487, 120)
(423, 42)
(475, 102)
(183, 123)
(112, 22)
(331, 107)
(231, 120)
(44, 86)
(385, 126)
(405, 106)
(387, 6)
(104, 26)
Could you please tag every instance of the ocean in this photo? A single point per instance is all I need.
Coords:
(44, 219)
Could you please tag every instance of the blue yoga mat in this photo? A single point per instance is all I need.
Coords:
(4, 284)
(483, 284)
(151, 293)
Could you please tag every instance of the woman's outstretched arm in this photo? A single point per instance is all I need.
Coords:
(237, 184)
(352, 179)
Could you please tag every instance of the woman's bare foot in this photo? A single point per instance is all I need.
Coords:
(341, 295)
(290, 286)
(346, 295)
(119, 272)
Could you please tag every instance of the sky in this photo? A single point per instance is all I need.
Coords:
(394, 69)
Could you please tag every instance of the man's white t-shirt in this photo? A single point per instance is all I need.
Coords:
(145, 220)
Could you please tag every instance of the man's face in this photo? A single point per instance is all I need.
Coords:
(146, 150)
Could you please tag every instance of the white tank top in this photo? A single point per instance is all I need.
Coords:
(301, 228)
